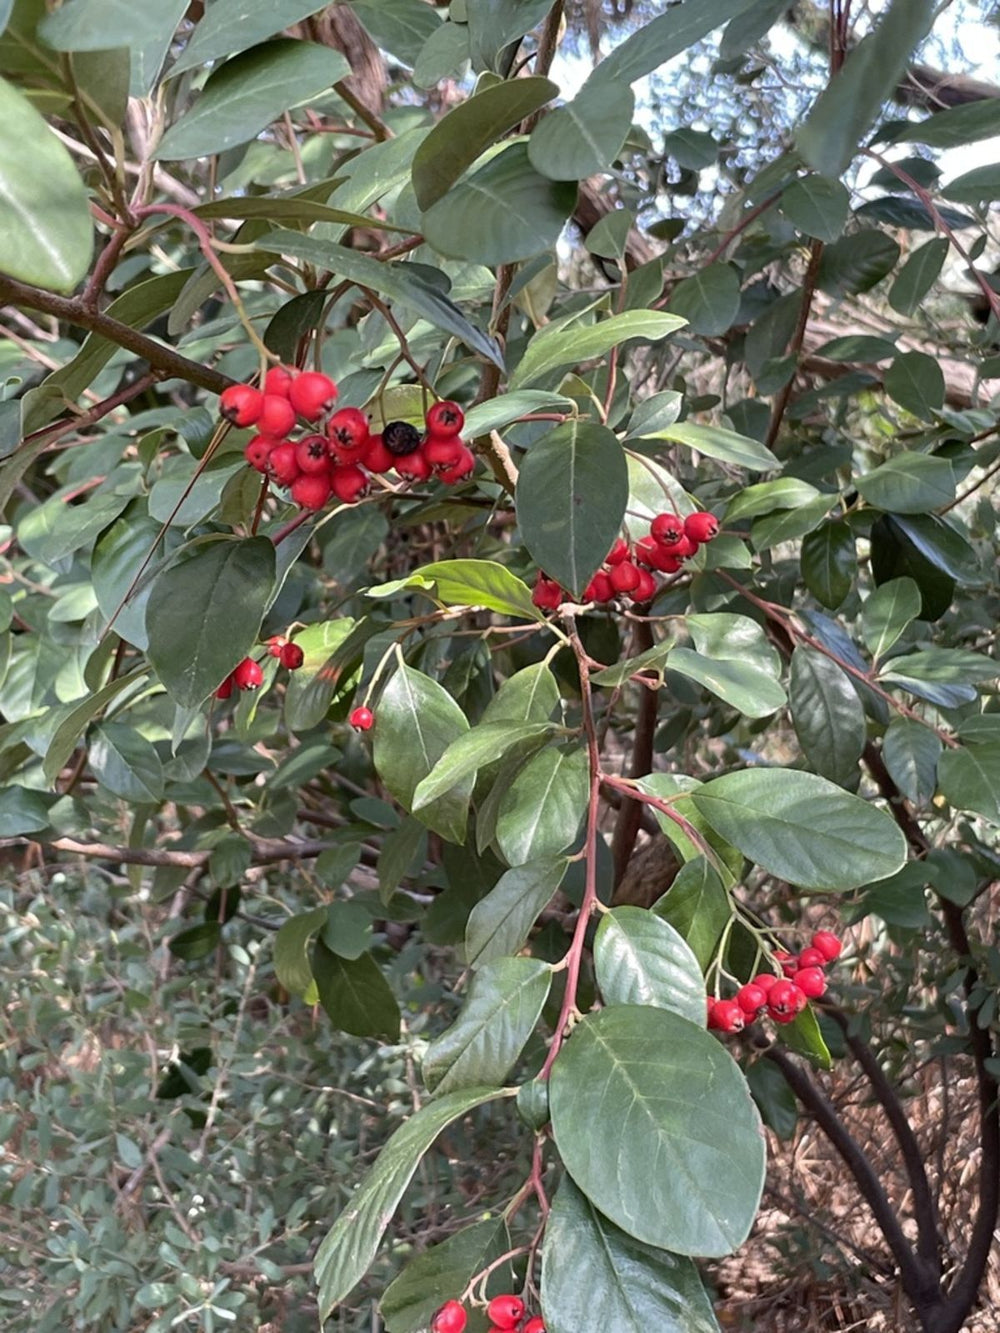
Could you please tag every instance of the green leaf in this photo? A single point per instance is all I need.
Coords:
(507, 407)
(196, 942)
(918, 275)
(126, 763)
(698, 907)
(556, 346)
(856, 263)
(639, 958)
(728, 861)
(895, 557)
(352, 1242)
(292, 965)
(938, 542)
(747, 28)
(409, 1303)
(203, 615)
(709, 300)
(354, 994)
(828, 717)
(417, 721)
(956, 127)
(248, 93)
(722, 634)
(858, 347)
(469, 129)
(585, 136)
(980, 185)
(505, 1001)
(401, 27)
(846, 108)
(472, 583)
(829, 562)
(405, 283)
(754, 692)
(816, 206)
(494, 24)
(530, 695)
(313, 687)
(44, 212)
(725, 445)
(672, 32)
(469, 752)
(571, 496)
(444, 55)
(687, 1166)
(785, 525)
(22, 811)
(801, 827)
(67, 735)
(234, 25)
(775, 1099)
(55, 529)
(503, 212)
(916, 381)
(400, 848)
(499, 924)
(630, 1287)
(767, 496)
(542, 809)
(911, 753)
(804, 1036)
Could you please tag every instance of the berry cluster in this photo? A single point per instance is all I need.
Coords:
(338, 460)
(249, 674)
(783, 997)
(505, 1313)
(626, 571)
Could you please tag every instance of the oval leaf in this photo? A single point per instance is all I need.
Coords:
(641, 959)
(543, 808)
(584, 136)
(500, 922)
(556, 346)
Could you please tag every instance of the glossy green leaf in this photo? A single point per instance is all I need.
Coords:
(504, 1003)
(916, 381)
(234, 25)
(856, 263)
(417, 721)
(828, 560)
(585, 136)
(499, 924)
(697, 906)
(940, 543)
(745, 686)
(709, 300)
(918, 275)
(494, 24)
(804, 1036)
(469, 752)
(775, 1099)
(469, 129)
(895, 557)
(313, 687)
(67, 735)
(44, 212)
(409, 1303)
(124, 762)
(725, 445)
(53, 530)
(689, 845)
(503, 212)
(292, 965)
(639, 958)
(508, 407)
(828, 716)
(816, 206)
(475, 583)
(677, 29)
(196, 942)
(541, 811)
(687, 1167)
(980, 185)
(352, 1242)
(571, 496)
(355, 994)
(22, 811)
(801, 827)
(911, 752)
(530, 695)
(445, 55)
(855, 347)
(747, 28)
(401, 27)
(785, 525)
(557, 346)
(203, 615)
(766, 496)
(955, 127)
(248, 93)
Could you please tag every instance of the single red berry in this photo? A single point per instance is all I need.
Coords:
(283, 463)
(547, 594)
(681, 549)
(599, 588)
(248, 674)
(727, 1016)
(226, 688)
(618, 553)
(701, 527)
(311, 455)
(363, 719)
(400, 438)
(810, 981)
(445, 419)
(241, 404)
(349, 484)
(624, 577)
(275, 644)
(278, 381)
(828, 945)
(291, 656)
(788, 962)
(785, 999)
(412, 467)
(258, 451)
(311, 492)
(536, 1324)
(451, 1317)
(812, 957)
(645, 589)
(442, 451)
(277, 416)
(651, 553)
(751, 999)
(667, 528)
(505, 1311)
(463, 467)
(377, 457)
(765, 981)
(311, 394)
(348, 433)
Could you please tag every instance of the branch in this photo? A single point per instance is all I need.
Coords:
(630, 812)
(798, 338)
(266, 851)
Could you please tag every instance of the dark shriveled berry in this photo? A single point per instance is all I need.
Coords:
(400, 438)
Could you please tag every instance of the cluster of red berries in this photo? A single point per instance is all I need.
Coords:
(626, 571)
(338, 460)
(249, 674)
(505, 1313)
(783, 997)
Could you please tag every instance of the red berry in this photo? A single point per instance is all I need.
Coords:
(311, 455)
(785, 999)
(413, 466)
(278, 381)
(445, 419)
(291, 656)
(377, 457)
(727, 1016)
(645, 589)
(624, 577)
(828, 945)
(788, 962)
(248, 675)
(275, 644)
(751, 999)
(618, 553)
(277, 416)
(810, 981)
(765, 981)
(442, 451)
(348, 433)
(451, 1317)
(701, 527)
(812, 957)
(241, 404)
(547, 594)
(258, 452)
(680, 549)
(311, 394)
(283, 464)
(226, 688)
(667, 528)
(599, 588)
(505, 1311)
(651, 553)
(463, 467)
(349, 484)
(311, 492)
(363, 719)
(536, 1324)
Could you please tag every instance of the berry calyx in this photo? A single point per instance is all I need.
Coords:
(785, 1000)
(277, 416)
(667, 528)
(283, 463)
(278, 381)
(701, 527)
(618, 553)
(599, 588)
(377, 457)
(828, 945)
(680, 549)
(291, 656)
(751, 999)
(363, 719)
(411, 467)
(241, 404)
(810, 981)
(311, 492)
(445, 419)
(311, 455)
(726, 1016)
(400, 438)
(812, 957)
(226, 688)
(248, 675)
(349, 484)
(348, 433)
(442, 451)
(463, 467)
(505, 1311)
(536, 1324)
(624, 577)
(311, 394)
(451, 1318)
(546, 594)
(258, 452)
